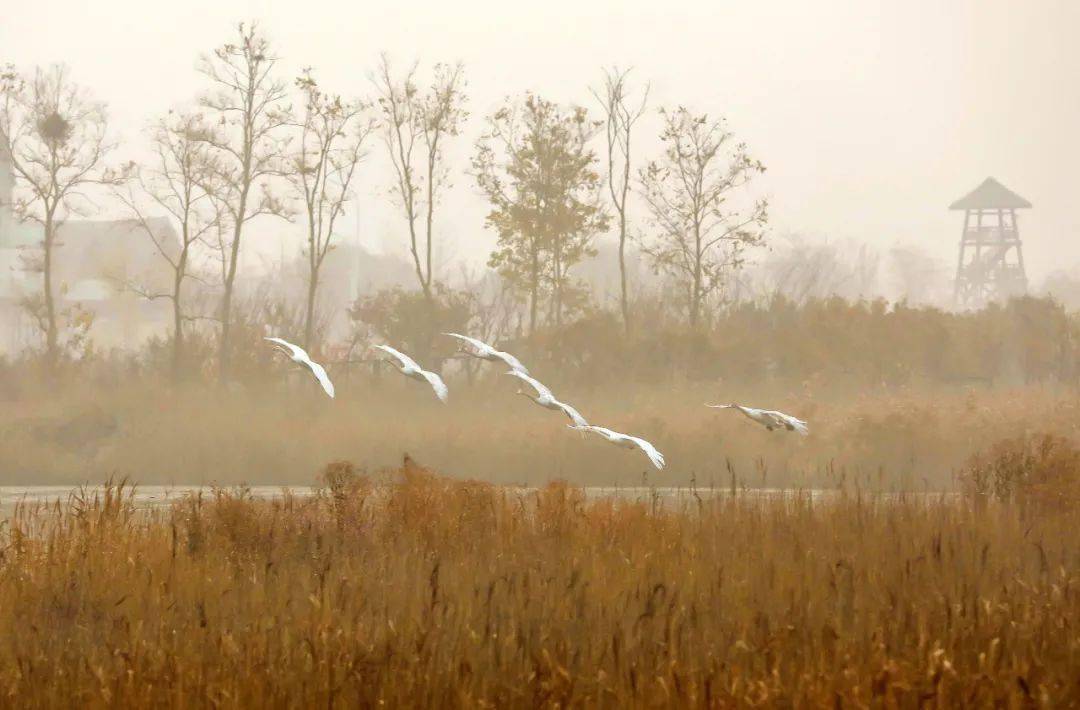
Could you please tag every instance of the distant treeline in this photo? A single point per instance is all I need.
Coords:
(830, 343)
(833, 342)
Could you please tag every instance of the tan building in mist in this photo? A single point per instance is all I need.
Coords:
(94, 261)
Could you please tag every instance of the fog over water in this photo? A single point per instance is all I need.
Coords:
(154, 497)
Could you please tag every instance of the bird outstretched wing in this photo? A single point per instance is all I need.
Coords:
(789, 422)
(651, 451)
(320, 374)
(481, 347)
(405, 360)
(437, 384)
(301, 355)
(753, 414)
(537, 385)
(575, 416)
(615, 437)
(484, 349)
(600, 431)
(512, 361)
(294, 350)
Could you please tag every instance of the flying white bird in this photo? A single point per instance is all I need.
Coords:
(409, 368)
(768, 418)
(546, 399)
(625, 441)
(483, 351)
(299, 356)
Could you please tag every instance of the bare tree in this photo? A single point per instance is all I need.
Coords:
(620, 116)
(56, 138)
(803, 272)
(700, 235)
(493, 306)
(179, 182)
(248, 102)
(865, 269)
(920, 277)
(415, 127)
(331, 146)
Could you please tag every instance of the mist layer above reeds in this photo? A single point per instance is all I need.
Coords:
(283, 430)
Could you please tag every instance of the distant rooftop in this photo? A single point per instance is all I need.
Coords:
(990, 195)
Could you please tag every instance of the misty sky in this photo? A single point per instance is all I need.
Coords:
(871, 116)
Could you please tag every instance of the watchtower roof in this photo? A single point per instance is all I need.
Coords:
(990, 195)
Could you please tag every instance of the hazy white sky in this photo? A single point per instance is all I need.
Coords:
(872, 116)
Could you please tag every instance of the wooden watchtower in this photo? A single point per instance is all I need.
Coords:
(991, 261)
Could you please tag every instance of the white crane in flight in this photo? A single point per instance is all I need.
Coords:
(483, 351)
(546, 399)
(409, 368)
(298, 355)
(626, 441)
(768, 418)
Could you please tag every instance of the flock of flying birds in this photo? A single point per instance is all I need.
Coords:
(770, 419)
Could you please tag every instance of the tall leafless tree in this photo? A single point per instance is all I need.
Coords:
(919, 277)
(331, 146)
(415, 126)
(180, 182)
(621, 114)
(247, 103)
(56, 138)
(691, 191)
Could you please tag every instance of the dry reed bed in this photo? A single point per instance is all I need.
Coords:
(441, 593)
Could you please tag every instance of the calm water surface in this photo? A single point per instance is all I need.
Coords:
(153, 496)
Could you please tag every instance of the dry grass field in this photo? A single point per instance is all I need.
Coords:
(408, 589)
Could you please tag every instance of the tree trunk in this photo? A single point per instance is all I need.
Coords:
(51, 335)
(695, 295)
(178, 328)
(309, 315)
(178, 339)
(534, 288)
(226, 335)
(225, 356)
(425, 283)
(425, 280)
(178, 312)
(624, 301)
(624, 297)
(695, 302)
(532, 308)
(430, 218)
(557, 287)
